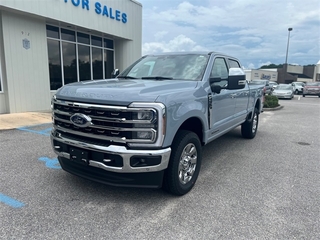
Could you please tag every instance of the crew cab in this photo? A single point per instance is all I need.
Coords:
(146, 126)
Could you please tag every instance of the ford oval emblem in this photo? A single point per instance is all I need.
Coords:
(81, 120)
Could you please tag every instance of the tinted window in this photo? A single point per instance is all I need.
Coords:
(84, 62)
(97, 63)
(54, 64)
(83, 38)
(96, 41)
(233, 63)
(52, 32)
(108, 43)
(108, 63)
(219, 73)
(69, 62)
(68, 35)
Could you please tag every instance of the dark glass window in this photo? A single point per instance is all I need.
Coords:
(96, 41)
(97, 63)
(219, 72)
(108, 43)
(82, 56)
(83, 38)
(84, 62)
(52, 32)
(108, 63)
(54, 64)
(69, 62)
(233, 63)
(68, 35)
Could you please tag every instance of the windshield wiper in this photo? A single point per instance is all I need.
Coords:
(126, 77)
(158, 78)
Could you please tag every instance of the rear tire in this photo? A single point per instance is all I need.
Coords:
(250, 127)
(184, 165)
(303, 95)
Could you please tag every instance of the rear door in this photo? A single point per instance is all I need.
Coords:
(241, 96)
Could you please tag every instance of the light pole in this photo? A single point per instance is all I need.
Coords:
(289, 30)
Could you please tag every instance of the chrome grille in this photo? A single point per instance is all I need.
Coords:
(110, 123)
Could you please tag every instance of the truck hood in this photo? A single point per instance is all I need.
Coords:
(122, 91)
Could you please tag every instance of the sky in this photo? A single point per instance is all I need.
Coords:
(254, 31)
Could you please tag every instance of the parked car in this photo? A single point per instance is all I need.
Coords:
(312, 88)
(273, 85)
(267, 88)
(283, 91)
(298, 87)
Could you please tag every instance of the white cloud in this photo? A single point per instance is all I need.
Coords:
(160, 35)
(180, 43)
(253, 31)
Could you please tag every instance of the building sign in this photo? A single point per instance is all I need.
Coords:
(265, 76)
(100, 9)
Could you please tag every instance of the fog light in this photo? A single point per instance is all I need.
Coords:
(144, 161)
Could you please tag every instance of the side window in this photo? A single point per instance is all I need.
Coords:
(219, 72)
(233, 63)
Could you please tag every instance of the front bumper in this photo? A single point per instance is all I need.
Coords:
(111, 164)
(314, 93)
(289, 96)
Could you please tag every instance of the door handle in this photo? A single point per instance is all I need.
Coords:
(233, 95)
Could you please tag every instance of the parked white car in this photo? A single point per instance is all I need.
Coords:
(283, 91)
(297, 87)
(273, 85)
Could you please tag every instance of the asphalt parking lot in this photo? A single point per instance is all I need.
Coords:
(265, 188)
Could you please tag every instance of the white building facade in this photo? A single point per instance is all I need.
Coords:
(262, 74)
(45, 44)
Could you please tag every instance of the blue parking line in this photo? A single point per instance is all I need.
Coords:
(50, 162)
(45, 132)
(10, 201)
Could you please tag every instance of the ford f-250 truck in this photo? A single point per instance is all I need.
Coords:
(146, 126)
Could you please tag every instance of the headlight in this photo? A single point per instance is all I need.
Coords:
(145, 115)
(149, 124)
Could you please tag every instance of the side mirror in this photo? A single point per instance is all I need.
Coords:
(115, 73)
(216, 88)
(237, 79)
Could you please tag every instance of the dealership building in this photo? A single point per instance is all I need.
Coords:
(45, 44)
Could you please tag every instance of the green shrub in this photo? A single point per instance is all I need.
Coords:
(270, 101)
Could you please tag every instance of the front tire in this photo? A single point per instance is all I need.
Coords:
(184, 165)
(250, 127)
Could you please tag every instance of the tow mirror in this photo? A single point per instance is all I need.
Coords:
(115, 73)
(237, 79)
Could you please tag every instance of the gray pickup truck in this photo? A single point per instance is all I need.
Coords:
(146, 126)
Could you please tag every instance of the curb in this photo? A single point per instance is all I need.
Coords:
(273, 109)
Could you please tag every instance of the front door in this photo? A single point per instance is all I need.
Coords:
(223, 103)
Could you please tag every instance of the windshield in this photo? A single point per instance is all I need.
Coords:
(283, 87)
(182, 67)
